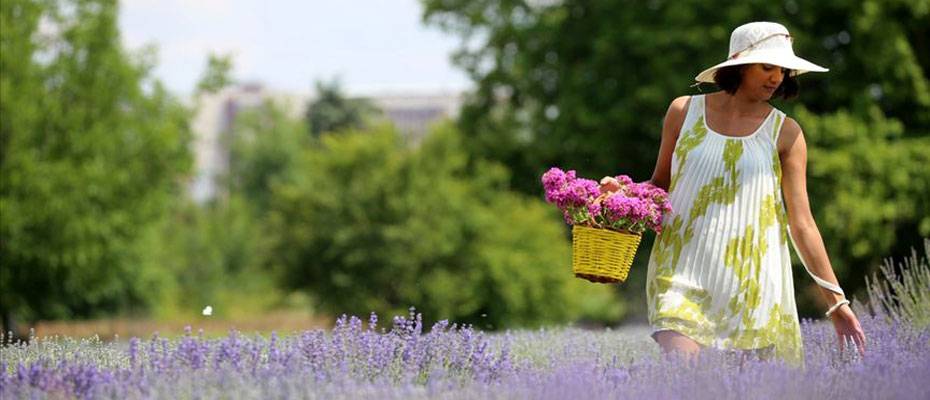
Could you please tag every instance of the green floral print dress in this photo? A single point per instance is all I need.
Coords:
(720, 271)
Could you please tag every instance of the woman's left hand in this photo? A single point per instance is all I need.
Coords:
(609, 184)
(848, 329)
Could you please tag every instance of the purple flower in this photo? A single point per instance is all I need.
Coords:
(624, 180)
(594, 208)
(565, 190)
(554, 179)
(618, 206)
(353, 361)
(567, 217)
(581, 191)
(572, 195)
(634, 207)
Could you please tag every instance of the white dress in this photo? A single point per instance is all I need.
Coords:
(720, 271)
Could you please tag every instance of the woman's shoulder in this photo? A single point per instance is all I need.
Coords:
(784, 122)
(679, 107)
(789, 131)
(675, 117)
(789, 126)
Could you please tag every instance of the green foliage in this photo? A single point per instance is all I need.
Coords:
(868, 184)
(217, 75)
(331, 111)
(584, 85)
(370, 225)
(903, 295)
(92, 152)
(215, 254)
(264, 145)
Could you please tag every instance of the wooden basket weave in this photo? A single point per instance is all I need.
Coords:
(602, 255)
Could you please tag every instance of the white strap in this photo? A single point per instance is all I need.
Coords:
(836, 307)
(823, 283)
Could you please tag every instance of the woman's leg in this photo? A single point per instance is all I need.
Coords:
(760, 354)
(672, 341)
(738, 358)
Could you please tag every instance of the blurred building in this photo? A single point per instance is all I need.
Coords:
(212, 123)
(412, 113)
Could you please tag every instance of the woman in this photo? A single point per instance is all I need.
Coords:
(720, 272)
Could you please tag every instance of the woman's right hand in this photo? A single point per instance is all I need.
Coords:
(609, 184)
(848, 330)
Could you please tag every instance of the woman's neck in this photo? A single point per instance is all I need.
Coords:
(740, 104)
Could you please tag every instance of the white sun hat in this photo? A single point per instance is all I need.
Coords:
(762, 42)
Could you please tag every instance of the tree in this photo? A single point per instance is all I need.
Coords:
(217, 75)
(371, 225)
(265, 144)
(93, 151)
(216, 251)
(584, 85)
(331, 111)
(215, 254)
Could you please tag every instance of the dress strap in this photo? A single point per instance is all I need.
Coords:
(695, 111)
(820, 281)
(777, 124)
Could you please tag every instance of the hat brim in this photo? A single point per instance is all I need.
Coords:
(796, 64)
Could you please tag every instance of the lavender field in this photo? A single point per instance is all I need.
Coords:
(360, 360)
(403, 359)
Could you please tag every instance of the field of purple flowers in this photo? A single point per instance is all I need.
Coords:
(361, 359)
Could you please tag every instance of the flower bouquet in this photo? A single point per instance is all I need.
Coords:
(606, 227)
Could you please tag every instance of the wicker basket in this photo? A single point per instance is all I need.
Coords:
(602, 255)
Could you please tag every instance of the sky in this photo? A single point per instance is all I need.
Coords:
(371, 46)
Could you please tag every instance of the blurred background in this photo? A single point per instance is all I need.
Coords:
(283, 163)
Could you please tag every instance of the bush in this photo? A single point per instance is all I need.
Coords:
(215, 255)
(367, 224)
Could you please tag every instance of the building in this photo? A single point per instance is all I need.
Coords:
(412, 113)
(212, 123)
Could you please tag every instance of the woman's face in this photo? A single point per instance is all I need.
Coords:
(761, 80)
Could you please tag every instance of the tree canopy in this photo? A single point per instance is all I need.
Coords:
(584, 85)
(92, 153)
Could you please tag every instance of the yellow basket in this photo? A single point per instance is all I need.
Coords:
(602, 255)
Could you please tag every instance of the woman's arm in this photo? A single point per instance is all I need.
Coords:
(808, 242)
(804, 230)
(671, 127)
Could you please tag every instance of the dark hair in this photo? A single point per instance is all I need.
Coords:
(729, 78)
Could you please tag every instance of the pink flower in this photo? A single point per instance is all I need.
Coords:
(619, 206)
(624, 180)
(635, 207)
(554, 179)
(594, 208)
(564, 189)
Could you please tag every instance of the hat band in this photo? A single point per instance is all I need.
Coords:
(756, 43)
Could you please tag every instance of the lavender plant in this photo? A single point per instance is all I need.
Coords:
(904, 296)
(360, 359)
